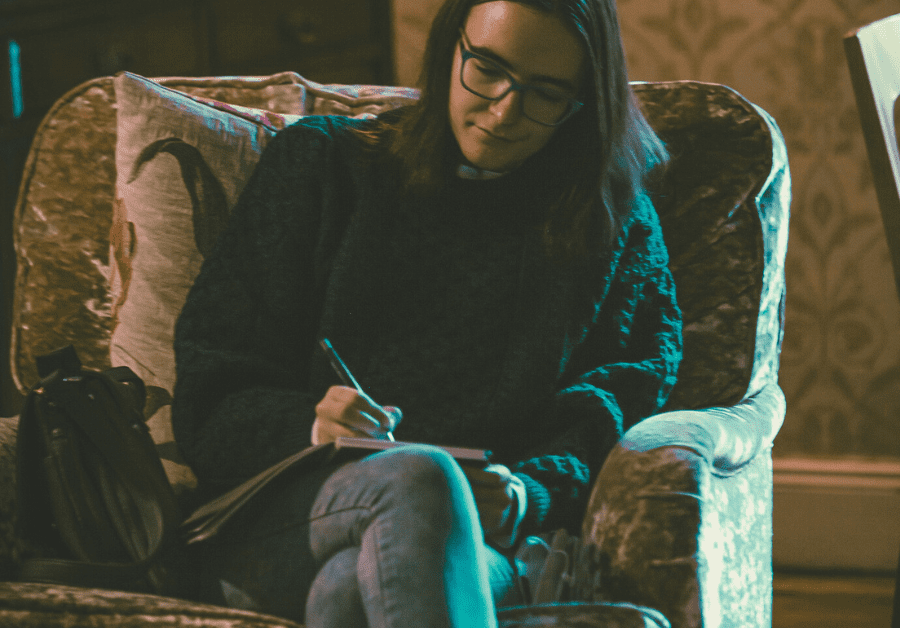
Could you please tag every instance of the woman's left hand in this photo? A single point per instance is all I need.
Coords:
(495, 497)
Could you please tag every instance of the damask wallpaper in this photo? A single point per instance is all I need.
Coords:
(840, 366)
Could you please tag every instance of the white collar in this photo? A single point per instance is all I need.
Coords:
(468, 172)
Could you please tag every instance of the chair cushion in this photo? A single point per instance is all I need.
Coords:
(170, 149)
(27, 605)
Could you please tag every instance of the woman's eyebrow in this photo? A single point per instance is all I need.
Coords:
(532, 78)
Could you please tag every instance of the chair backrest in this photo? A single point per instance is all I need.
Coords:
(873, 57)
(724, 206)
(64, 212)
(724, 209)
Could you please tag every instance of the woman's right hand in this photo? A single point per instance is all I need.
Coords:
(344, 411)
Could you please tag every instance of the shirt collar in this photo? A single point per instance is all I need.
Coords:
(468, 172)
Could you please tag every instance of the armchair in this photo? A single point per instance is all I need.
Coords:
(681, 512)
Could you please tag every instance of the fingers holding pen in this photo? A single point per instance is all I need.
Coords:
(349, 408)
(394, 415)
(345, 411)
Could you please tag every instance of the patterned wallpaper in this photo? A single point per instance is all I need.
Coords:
(840, 366)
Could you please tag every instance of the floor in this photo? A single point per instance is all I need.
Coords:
(832, 601)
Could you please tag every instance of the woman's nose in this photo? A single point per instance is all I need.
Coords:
(507, 108)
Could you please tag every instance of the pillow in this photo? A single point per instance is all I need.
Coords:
(181, 163)
(65, 207)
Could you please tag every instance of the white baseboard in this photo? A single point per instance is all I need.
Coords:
(836, 514)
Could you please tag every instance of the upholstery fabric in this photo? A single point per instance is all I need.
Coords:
(681, 512)
(708, 125)
(673, 525)
(27, 605)
(11, 546)
(723, 159)
(61, 280)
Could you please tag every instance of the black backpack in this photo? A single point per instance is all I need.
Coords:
(92, 491)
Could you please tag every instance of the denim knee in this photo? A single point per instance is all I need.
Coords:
(411, 490)
(422, 468)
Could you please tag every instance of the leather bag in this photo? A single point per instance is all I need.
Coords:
(92, 490)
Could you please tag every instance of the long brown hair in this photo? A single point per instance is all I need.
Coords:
(604, 153)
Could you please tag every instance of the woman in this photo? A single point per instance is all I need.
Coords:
(487, 261)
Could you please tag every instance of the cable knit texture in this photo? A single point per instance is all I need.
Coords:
(446, 307)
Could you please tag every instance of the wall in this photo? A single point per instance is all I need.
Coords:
(840, 366)
(412, 19)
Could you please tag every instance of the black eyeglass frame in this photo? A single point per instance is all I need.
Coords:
(514, 85)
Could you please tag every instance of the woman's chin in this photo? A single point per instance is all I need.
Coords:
(490, 163)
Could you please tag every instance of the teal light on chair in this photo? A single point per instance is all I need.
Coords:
(15, 79)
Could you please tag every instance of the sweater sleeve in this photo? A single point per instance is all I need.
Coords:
(242, 341)
(622, 372)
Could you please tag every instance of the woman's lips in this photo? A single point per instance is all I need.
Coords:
(495, 136)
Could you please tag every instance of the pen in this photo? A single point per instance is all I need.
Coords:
(342, 371)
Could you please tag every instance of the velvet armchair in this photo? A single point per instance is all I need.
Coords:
(680, 514)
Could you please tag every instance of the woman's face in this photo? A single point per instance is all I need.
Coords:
(537, 49)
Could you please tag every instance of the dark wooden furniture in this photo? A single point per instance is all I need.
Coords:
(873, 57)
(50, 46)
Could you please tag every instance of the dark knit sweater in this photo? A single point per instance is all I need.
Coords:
(445, 307)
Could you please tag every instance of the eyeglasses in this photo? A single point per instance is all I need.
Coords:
(488, 79)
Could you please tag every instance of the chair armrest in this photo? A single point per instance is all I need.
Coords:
(727, 438)
(681, 514)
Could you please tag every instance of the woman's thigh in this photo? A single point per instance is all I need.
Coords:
(262, 560)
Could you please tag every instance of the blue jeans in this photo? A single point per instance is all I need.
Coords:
(391, 540)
